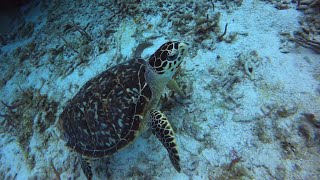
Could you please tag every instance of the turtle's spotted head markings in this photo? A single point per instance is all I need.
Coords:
(168, 57)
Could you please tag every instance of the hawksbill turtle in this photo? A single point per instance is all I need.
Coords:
(114, 107)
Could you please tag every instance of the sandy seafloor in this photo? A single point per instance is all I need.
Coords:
(235, 123)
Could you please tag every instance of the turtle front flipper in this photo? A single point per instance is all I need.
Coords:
(164, 132)
(172, 84)
(86, 167)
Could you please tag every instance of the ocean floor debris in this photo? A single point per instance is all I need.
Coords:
(251, 83)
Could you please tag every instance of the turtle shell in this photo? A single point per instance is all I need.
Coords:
(107, 113)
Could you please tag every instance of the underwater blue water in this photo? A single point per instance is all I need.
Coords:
(247, 106)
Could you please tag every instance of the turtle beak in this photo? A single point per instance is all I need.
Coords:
(184, 47)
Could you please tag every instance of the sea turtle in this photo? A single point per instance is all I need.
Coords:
(114, 107)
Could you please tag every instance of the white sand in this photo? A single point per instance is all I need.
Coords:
(208, 131)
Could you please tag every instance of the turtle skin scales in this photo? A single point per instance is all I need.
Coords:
(107, 113)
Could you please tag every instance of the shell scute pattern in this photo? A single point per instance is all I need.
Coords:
(108, 110)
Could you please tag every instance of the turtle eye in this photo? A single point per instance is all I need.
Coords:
(172, 57)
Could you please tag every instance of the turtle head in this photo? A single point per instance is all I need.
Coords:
(168, 57)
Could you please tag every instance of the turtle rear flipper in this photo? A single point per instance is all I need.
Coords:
(164, 132)
(86, 167)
